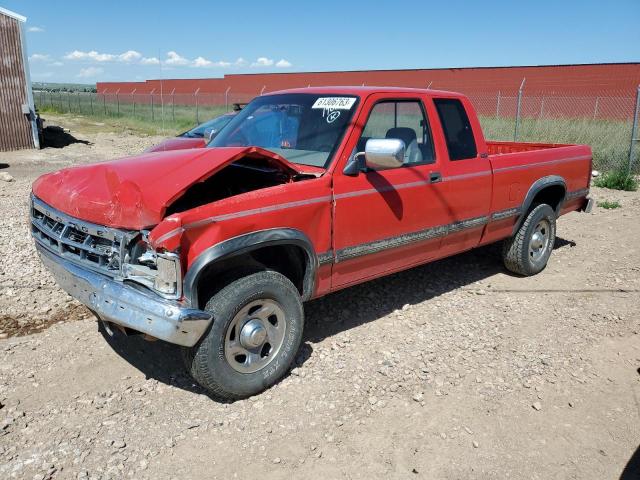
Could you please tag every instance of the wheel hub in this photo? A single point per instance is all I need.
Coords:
(539, 243)
(253, 334)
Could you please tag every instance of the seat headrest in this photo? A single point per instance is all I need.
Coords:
(406, 134)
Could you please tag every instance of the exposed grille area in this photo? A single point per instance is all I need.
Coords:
(99, 248)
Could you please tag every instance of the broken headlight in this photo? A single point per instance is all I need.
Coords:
(160, 272)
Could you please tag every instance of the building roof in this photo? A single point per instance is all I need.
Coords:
(11, 14)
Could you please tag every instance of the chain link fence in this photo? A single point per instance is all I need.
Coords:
(607, 122)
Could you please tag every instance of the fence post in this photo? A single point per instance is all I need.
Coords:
(226, 99)
(173, 105)
(262, 91)
(69, 99)
(79, 104)
(197, 112)
(634, 130)
(518, 106)
(153, 115)
(91, 102)
(118, 102)
(595, 108)
(498, 105)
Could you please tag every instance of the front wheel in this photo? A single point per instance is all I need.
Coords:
(255, 335)
(528, 251)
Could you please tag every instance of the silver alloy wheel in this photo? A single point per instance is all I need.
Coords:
(255, 335)
(540, 240)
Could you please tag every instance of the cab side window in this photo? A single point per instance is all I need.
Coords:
(457, 129)
(403, 120)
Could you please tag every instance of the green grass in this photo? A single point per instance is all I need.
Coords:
(609, 139)
(617, 179)
(609, 204)
(141, 117)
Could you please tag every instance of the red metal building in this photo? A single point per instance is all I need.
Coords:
(614, 79)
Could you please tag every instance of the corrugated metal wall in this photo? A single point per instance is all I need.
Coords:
(571, 80)
(15, 127)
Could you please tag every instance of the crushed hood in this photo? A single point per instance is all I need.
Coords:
(134, 192)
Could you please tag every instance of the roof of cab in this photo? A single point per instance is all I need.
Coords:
(365, 91)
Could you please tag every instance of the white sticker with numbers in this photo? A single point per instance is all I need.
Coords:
(334, 103)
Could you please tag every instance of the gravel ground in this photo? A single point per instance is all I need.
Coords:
(452, 370)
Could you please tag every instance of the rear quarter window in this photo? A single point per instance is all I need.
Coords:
(461, 143)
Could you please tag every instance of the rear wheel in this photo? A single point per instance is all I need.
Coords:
(255, 335)
(528, 251)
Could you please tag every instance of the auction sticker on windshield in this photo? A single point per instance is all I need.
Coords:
(334, 103)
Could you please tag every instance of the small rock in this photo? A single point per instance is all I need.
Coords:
(5, 177)
(537, 406)
(418, 397)
(118, 444)
(475, 444)
(373, 400)
(277, 460)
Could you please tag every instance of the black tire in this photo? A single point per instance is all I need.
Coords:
(207, 361)
(518, 252)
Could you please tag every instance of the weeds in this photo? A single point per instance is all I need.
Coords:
(609, 204)
(617, 180)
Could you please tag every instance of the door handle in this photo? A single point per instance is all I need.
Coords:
(435, 177)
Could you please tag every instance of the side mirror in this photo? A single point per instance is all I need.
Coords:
(384, 153)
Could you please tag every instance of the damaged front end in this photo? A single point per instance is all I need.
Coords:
(116, 275)
(158, 271)
(98, 229)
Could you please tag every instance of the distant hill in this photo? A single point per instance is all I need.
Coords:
(63, 87)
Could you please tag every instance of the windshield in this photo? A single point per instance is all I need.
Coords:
(303, 128)
(215, 125)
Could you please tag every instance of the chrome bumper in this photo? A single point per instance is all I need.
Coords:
(124, 305)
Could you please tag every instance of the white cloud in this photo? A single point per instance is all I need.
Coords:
(150, 61)
(92, 55)
(35, 29)
(129, 56)
(262, 62)
(173, 58)
(240, 62)
(90, 72)
(39, 57)
(283, 64)
(202, 62)
(56, 64)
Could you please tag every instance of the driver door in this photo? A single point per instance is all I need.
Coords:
(387, 220)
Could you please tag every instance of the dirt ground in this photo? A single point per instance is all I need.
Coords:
(454, 370)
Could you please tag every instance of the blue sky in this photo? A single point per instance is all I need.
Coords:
(80, 41)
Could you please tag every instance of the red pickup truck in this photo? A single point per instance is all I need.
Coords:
(304, 192)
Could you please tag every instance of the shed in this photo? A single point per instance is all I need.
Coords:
(18, 125)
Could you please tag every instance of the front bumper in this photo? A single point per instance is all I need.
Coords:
(124, 305)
